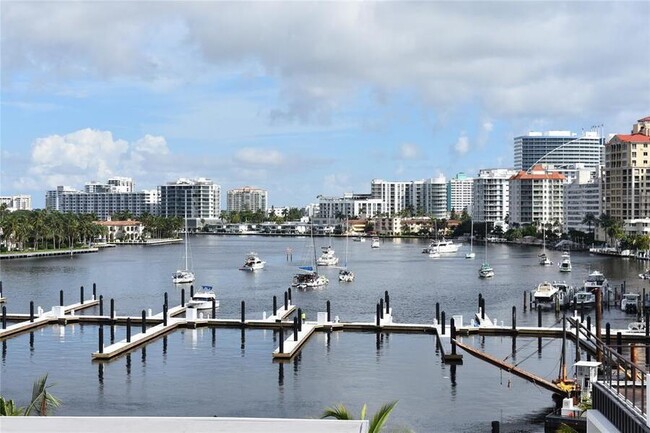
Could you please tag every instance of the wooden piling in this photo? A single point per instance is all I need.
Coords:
(101, 305)
(514, 317)
(144, 322)
(329, 311)
(299, 319)
(295, 328)
(442, 323)
(243, 312)
(81, 295)
(182, 297)
(31, 311)
(378, 315)
(214, 308)
(438, 312)
(94, 291)
(275, 305)
(4, 317)
(524, 301)
(386, 297)
(101, 339)
(381, 307)
(128, 329)
(61, 298)
(452, 329)
(289, 295)
(281, 348)
(619, 342)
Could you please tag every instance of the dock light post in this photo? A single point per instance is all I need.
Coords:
(275, 305)
(128, 329)
(94, 291)
(243, 312)
(101, 339)
(295, 328)
(81, 295)
(61, 298)
(144, 322)
(101, 305)
(442, 322)
(329, 311)
(31, 311)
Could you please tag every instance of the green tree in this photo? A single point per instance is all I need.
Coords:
(377, 422)
(41, 403)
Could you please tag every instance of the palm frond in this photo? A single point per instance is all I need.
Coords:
(9, 408)
(41, 399)
(381, 416)
(338, 411)
(363, 411)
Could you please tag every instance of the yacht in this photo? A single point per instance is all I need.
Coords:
(309, 280)
(564, 293)
(374, 243)
(443, 246)
(184, 276)
(630, 302)
(327, 257)
(595, 281)
(645, 275)
(565, 266)
(544, 260)
(485, 271)
(252, 263)
(202, 300)
(359, 239)
(545, 295)
(584, 299)
(346, 276)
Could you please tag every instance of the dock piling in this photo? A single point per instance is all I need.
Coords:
(144, 322)
(514, 317)
(386, 297)
(81, 295)
(112, 310)
(377, 314)
(101, 305)
(281, 347)
(31, 311)
(166, 302)
(495, 427)
(329, 311)
(214, 308)
(480, 301)
(437, 312)
(243, 312)
(539, 325)
(295, 328)
(94, 291)
(619, 342)
(286, 300)
(608, 337)
(128, 329)
(101, 339)
(381, 307)
(164, 312)
(442, 323)
(4, 317)
(530, 300)
(182, 297)
(289, 295)
(299, 319)
(275, 305)
(524, 301)
(60, 298)
(452, 329)
(482, 308)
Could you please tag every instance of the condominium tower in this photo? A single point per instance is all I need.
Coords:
(537, 196)
(194, 198)
(459, 193)
(491, 194)
(247, 198)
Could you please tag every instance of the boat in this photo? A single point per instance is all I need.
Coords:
(584, 299)
(346, 275)
(630, 302)
(434, 254)
(637, 326)
(443, 246)
(565, 266)
(327, 257)
(471, 253)
(565, 293)
(184, 276)
(202, 300)
(359, 239)
(485, 271)
(543, 257)
(596, 281)
(545, 295)
(374, 243)
(645, 275)
(252, 263)
(309, 278)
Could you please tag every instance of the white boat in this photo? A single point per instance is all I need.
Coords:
(184, 276)
(545, 295)
(645, 275)
(434, 254)
(252, 263)
(630, 302)
(637, 326)
(327, 257)
(309, 278)
(374, 243)
(565, 293)
(543, 257)
(485, 271)
(565, 266)
(584, 299)
(346, 275)
(444, 246)
(202, 300)
(359, 239)
(471, 253)
(596, 281)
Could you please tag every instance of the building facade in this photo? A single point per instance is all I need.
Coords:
(491, 194)
(626, 190)
(349, 206)
(247, 199)
(460, 193)
(192, 198)
(581, 197)
(559, 149)
(427, 197)
(537, 197)
(17, 202)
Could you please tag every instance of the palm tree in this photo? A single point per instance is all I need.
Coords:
(377, 422)
(41, 401)
(590, 219)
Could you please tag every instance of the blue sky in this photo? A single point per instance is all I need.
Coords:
(304, 98)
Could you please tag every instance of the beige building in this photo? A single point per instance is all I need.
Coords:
(537, 196)
(626, 189)
(123, 231)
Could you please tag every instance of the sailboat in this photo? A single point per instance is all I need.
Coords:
(471, 253)
(543, 258)
(485, 271)
(309, 277)
(184, 276)
(345, 274)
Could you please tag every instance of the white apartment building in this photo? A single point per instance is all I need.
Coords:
(121, 184)
(349, 206)
(17, 202)
(197, 198)
(460, 193)
(247, 198)
(559, 149)
(537, 196)
(582, 196)
(421, 196)
(101, 202)
(491, 194)
(626, 190)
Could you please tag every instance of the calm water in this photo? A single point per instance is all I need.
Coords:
(226, 372)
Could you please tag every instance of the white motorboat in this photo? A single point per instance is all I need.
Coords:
(327, 257)
(252, 263)
(184, 276)
(564, 293)
(637, 326)
(565, 266)
(630, 302)
(346, 276)
(596, 281)
(584, 299)
(309, 280)
(471, 254)
(434, 254)
(645, 275)
(485, 271)
(374, 243)
(444, 247)
(202, 300)
(545, 295)
(543, 257)
(359, 239)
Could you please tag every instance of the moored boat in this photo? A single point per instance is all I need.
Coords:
(545, 295)
(630, 302)
(203, 299)
(252, 263)
(327, 257)
(374, 243)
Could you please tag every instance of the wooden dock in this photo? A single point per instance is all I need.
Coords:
(124, 346)
(292, 345)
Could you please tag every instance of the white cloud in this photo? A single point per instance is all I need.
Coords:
(409, 151)
(260, 157)
(484, 133)
(462, 145)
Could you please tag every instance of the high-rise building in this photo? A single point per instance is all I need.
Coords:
(559, 149)
(627, 177)
(247, 198)
(459, 193)
(197, 198)
(428, 197)
(491, 194)
(349, 206)
(537, 196)
(581, 197)
(17, 202)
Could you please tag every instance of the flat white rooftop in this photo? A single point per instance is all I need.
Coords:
(73, 424)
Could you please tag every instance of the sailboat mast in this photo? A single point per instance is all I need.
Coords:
(186, 266)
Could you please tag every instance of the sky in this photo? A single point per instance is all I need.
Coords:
(304, 98)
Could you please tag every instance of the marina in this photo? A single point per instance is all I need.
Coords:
(242, 320)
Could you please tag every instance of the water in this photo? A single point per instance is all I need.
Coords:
(225, 372)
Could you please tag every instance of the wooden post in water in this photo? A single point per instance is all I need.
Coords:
(128, 329)
(329, 311)
(514, 318)
(442, 322)
(539, 325)
(1, 289)
(281, 349)
(61, 298)
(94, 291)
(289, 296)
(214, 308)
(299, 319)
(101, 305)
(165, 314)
(438, 312)
(275, 305)
(495, 427)
(386, 299)
(4, 317)
(482, 308)
(182, 297)
(286, 300)
(378, 314)
(243, 312)
(295, 328)
(480, 301)
(524, 301)
(81, 295)
(619, 342)
(112, 310)
(452, 329)
(381, 307)
(101, 339)
(31, 311)
(166, 301)
(530, 300)
(144, 322)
